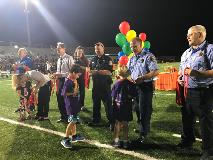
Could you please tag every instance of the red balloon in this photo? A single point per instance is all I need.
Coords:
(124, 27)
(142, 36)
(123, 60)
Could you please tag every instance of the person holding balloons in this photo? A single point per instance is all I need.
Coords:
(143, 68)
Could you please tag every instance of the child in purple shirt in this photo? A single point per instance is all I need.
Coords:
(70, 93)
(123, 92)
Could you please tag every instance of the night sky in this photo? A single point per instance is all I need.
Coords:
(85, 22)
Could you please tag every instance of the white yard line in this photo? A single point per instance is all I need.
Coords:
(179, 136)
(92, 142)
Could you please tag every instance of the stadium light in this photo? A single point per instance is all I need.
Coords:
(16, 47)
(26, 11)
(61, 32)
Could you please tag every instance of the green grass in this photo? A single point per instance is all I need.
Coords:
(24, 143)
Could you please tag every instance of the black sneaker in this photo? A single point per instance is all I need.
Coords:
(136, 130)
(111, 127)
(62, 121)
(17, 110)
(116, 144)
(125, 144)
(141, 139)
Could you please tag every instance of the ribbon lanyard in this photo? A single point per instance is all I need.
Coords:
(186, 83)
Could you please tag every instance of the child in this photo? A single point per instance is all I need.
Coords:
(70, 93)
(23, 89)
(123, 92)
(24, 94)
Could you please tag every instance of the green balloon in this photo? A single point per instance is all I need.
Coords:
(120, 39)
(126, 48)
(147, 44)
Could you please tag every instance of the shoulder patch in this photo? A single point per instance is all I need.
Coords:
(201, 54)
(152, 58)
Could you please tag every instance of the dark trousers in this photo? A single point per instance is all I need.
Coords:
(43, 100)
(188, 123)
(98, 95)
(145, 93)
(60, 99)
(200, 102)
(81, 83)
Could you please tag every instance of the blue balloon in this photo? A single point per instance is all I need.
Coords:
(121, 53)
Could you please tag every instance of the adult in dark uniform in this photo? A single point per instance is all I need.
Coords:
(196, 75)
(143, 68)
(64, 63)
(101, 70)
(80, 59)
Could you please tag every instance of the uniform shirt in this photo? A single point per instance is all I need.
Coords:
(200, 59)
(37, 76)
(64, 64)
(101, 63)
(27, 61)
(141, 64)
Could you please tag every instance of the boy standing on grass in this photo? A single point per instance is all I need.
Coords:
(70, 93)
(123, 92)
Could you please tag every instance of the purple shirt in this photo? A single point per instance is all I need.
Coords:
(122, 92)
(71, 102)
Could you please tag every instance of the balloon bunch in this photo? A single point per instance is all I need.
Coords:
(123, 38)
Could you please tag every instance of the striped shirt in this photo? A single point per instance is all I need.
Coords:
(64, 64)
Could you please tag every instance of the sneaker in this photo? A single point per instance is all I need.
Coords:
(84, 109)
(125, 144)
(66, 143)
(17, 110)
(136, 130)
(141, 139)
(77, 138)
(40, 119)
(62, 121)
(46, 118)
(116, 144)
(111, 127)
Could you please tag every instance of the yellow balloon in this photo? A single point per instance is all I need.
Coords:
(142, 44)
(130, 55)
(130, 35)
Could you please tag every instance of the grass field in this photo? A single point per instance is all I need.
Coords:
(23, 143)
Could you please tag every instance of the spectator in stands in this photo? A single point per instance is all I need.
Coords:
(80, 59)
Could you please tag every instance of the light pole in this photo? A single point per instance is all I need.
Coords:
(26, 11)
